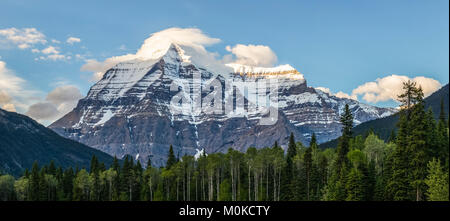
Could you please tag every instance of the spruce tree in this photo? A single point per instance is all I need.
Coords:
(116, 184)
(52, 168)
(418, 146)
(442, 136)
(171, 160)
(94, 164)
(67, 183)
(392, 136)
(292, 148)
(290, 179)
(344, 141)
(355, 187)
(437, 182)
(34, 182)
(307, 161)
(398, 183)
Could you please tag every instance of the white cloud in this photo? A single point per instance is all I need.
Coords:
(15, 95)
(14, 91)
(23, 46)
(52, 54)
(22, 38)
(50, 50)
(56, 57)
(8, 81)
(388, 88)
(4, 97)
(339, 94)
(72, 40)
(58, 102)
(29, 38)
(5, 100)
(253, 55)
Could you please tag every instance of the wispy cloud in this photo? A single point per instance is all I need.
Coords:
(72, 40)
(22, 38)
(14, 91)
(31, 38)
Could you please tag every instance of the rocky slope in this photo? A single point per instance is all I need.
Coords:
(132, 109)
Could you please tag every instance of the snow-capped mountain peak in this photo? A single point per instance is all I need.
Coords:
(130, 110)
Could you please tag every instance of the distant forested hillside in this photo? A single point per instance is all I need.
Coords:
(23, 141)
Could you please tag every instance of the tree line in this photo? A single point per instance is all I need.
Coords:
(412, 165)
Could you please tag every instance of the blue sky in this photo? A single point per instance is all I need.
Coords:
(339, 45)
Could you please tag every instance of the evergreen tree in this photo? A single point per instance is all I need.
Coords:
(442, 136)
(344, 141)
(337, 184)
(418, 146)
(171, 160)
(355, 185)
(34, 182)
(398, 183)
(392, 136)
(43, 187)
(116, 180)
(51, 168)
(94, 164)
(292, 148)
(67, 183)
(437, 182)
(307, 161)
(288, 183)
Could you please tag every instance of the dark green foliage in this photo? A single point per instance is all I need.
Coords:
(344, 140)
(361, 168)
(171, 160)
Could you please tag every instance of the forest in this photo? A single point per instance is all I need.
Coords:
(413, 165)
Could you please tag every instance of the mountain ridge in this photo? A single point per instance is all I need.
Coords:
(24, 141)
(130, 110)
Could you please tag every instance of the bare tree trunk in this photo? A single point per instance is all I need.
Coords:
(249, 192)
(279, 184)
(274, 183)
(150, 187)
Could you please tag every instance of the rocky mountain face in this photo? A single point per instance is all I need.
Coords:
(141, 107)
(24, 141)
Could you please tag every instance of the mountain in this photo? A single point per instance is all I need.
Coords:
(142, 106)
(383, 126)
(23, 141)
